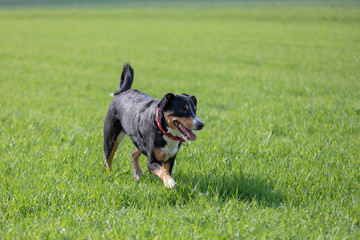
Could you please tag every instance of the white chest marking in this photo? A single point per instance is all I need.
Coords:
(172, 146)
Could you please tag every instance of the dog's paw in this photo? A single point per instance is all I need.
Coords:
(137, 176)
(171, 184)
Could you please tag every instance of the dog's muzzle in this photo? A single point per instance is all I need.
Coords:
(198, 125)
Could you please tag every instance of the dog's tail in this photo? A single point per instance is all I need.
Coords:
(126, 80)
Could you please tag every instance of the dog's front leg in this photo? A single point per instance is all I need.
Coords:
(169, 164)
(156, 169)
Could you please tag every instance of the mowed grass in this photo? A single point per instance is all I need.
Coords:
(278, 90)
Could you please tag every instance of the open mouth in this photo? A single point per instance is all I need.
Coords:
(185, 132)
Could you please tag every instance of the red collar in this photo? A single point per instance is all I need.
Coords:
(167, 134)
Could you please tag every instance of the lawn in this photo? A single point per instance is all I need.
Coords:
(278, 90)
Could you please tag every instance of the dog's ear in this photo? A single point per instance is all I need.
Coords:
(193, 98)
(164, 102)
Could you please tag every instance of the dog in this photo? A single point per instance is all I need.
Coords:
(156, 127)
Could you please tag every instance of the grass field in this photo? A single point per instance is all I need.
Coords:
(278, 90)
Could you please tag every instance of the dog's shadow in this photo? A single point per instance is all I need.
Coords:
(233, 185)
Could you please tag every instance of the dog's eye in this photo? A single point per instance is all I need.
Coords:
(185, 109)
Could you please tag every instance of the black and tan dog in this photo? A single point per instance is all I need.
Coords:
(156, 127)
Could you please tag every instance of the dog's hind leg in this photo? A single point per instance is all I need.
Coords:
(135, 162)
(113, 135)
(110, 149)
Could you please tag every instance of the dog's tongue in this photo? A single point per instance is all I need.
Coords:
(185, 132)
(190, 135)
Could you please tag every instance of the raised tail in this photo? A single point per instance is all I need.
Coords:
(126, 80)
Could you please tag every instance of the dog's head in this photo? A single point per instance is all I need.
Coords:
(180, 114)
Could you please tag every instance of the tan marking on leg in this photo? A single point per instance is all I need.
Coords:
(135, 162)
(167, 166)
(108, 162)
(117, 141)
(162, 173)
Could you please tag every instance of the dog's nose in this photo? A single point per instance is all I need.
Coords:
(199, 125)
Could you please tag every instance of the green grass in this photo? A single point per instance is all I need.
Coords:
(106, 4)
(278, 90)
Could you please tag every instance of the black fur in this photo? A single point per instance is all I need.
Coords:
(126, 79)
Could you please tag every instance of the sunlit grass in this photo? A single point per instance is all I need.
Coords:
(277, 88)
